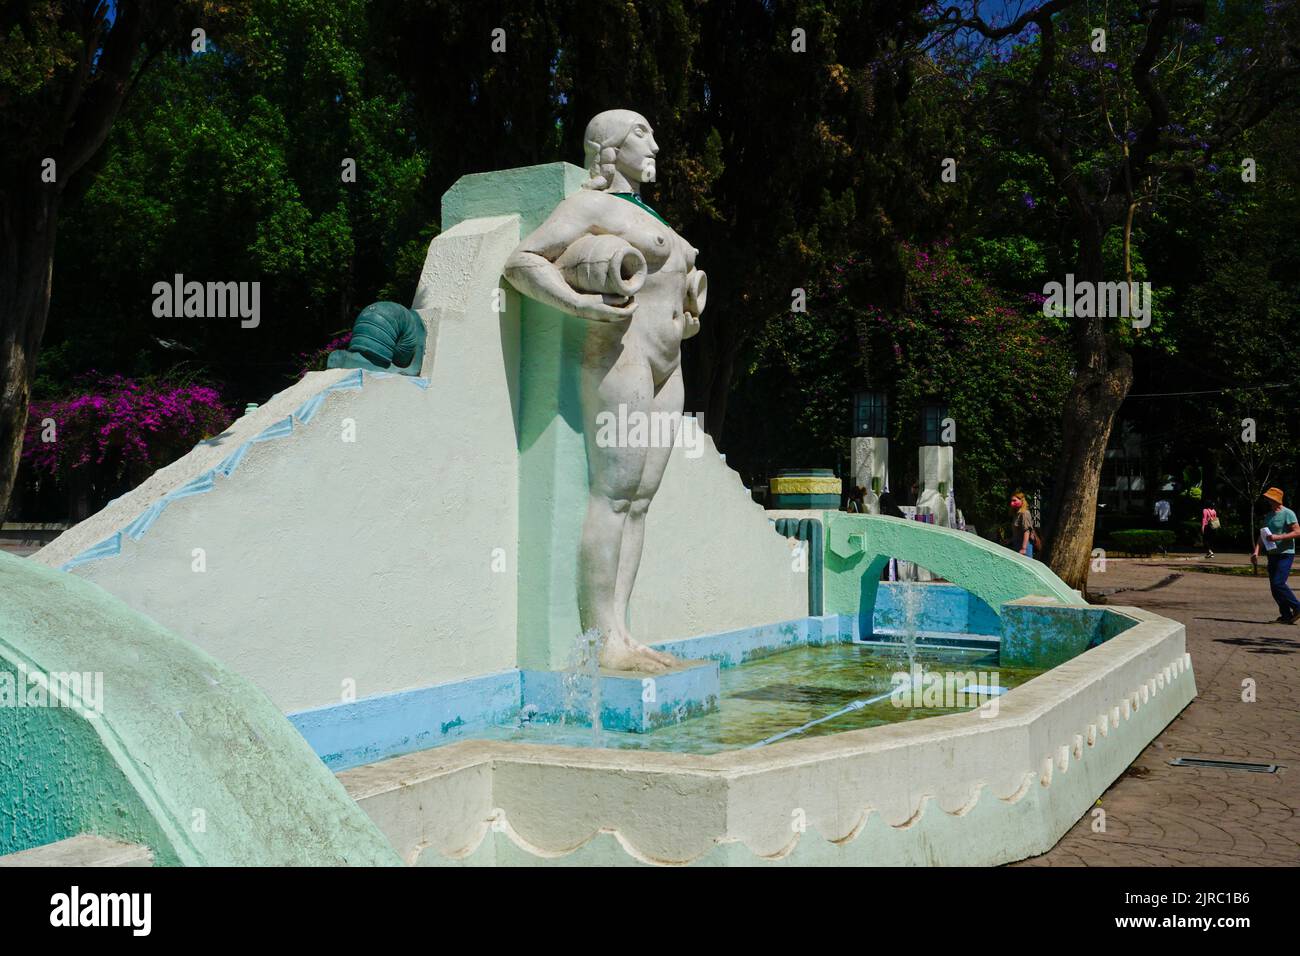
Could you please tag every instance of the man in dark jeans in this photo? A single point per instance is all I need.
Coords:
(1282, 531)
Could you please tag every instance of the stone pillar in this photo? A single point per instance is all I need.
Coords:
(870, 469)
(936, 483)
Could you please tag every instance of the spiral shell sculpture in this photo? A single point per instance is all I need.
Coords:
(386, 336)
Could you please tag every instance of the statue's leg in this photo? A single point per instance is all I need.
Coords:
(666, 406)
(602, 533)
(611, 397)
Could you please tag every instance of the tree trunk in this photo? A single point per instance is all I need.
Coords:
(1102, 379)
(1089, 415)
(27, 228)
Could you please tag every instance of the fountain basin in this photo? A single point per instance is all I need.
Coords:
(773, 678)
(963, 789)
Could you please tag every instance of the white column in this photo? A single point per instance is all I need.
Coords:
(936, 483)
(870, 469)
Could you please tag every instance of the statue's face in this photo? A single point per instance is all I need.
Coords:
(636, 157)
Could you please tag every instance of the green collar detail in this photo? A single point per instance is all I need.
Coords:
(636, 200)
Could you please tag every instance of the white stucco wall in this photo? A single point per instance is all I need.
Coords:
(370, 561)
(712, 560)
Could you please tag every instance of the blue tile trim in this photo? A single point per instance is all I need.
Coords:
(373, 728)
(140, 525)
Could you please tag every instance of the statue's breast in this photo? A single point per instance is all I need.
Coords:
(655, 242)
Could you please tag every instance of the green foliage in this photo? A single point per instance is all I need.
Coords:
(1000, 368)
(815, 171)
(1142, 541)
(35, 50)
(227, 166)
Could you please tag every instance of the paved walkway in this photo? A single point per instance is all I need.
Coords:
(1158, 815)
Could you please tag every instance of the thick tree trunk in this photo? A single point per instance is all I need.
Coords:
(1102, 379)
(27, 229)
(1089, 415)
(85, 101)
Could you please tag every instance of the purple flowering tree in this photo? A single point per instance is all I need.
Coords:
(111, 432)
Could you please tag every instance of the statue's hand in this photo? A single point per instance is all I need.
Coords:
(690, 325)
(605, 308)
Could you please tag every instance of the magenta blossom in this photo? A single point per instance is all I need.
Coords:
(120, 425)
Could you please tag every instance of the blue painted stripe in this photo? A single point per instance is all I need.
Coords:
(750, 643)
(281, 429)
(630, 703)
(308, 409)
(357, 732)
(105, 549)
(227, 466)
(136, 529)
(199, 485)
(942, 607)
(350, 381)
(373, 728)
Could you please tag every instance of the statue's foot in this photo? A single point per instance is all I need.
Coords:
(622, 653)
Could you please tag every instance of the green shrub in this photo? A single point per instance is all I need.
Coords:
(1142, 541)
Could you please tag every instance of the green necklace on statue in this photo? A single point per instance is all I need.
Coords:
(636, 200)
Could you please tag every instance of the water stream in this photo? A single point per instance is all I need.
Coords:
(581, 681)
(910, 599)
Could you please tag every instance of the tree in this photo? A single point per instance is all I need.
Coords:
(1174, 87)
(65, 71)
(287, 158)
(1001, 374)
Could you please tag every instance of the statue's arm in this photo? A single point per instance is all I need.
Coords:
(531, 267)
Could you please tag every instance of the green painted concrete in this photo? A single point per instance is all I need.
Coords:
(184, 756)
(552, 455)
(529, 192)
(810, 530)
(553, 483)
(1043, 636)
(858, 547)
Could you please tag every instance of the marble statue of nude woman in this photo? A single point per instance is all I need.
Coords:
(605, 256)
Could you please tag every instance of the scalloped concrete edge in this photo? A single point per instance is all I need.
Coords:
(1005, 787)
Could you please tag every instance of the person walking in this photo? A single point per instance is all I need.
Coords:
(1277, 537)
(1022, 525)
(1209, 527)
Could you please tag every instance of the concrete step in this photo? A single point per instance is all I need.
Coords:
(86, 849)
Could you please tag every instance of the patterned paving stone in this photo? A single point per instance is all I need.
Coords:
(1160, 815)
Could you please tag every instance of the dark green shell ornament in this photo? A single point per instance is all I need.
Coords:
(386, 337)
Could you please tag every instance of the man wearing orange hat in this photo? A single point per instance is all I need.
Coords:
(1280, 528)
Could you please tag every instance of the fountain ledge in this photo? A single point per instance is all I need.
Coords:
(1008, 786)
